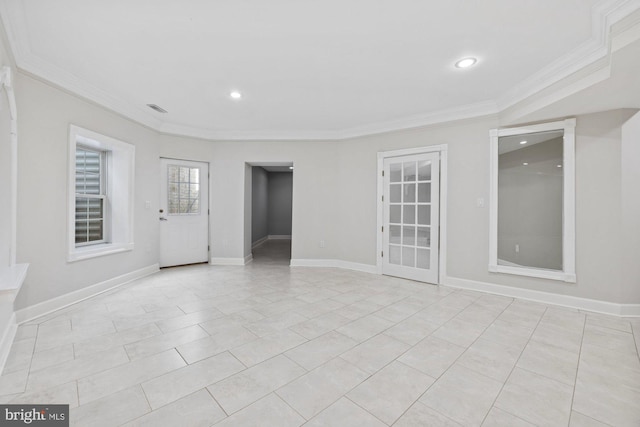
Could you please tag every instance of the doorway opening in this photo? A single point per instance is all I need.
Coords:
(271, 212)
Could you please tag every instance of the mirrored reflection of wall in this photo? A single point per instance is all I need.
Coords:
(530, 198)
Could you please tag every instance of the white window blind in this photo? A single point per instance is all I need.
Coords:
(90, 196)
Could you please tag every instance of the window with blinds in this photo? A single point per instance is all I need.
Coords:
(90, 196)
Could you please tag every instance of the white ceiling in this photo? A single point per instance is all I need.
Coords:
(308, 69)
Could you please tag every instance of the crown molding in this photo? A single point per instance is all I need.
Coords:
(604, 15)
(586, 65)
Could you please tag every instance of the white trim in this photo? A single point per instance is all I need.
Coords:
(568, 273)
(8, 335)
(62, 301)
(442, 149)
(121, 200)
(228, 261)
(12, 278)
(6, 83)
(259, 242)
(333, 263)
(624, 310)
(279, 236)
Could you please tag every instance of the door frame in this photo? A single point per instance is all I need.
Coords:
(209, 227)
(442, 244)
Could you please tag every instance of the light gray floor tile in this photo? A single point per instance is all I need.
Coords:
(499, 418)
(344, 413)
(318, 389)
(373, 354)
(320, 325)
(432, 356)
(52, 357)
(537, 399)
(223, 340)
(75, 369)
(274, 324)
(318, 351)
(420, 415)
(609, 338)
(391, 391)
(184, 381)
(62, 394)
(358, 309)
(267, 412)
(82, 346)
(265, 348)
(105, 342)
(459, 332)
(19, 356)
(365, 327)
(112, 410)
(244, 388)
(490, 358)
(462, 395)
(190, 319)
(580, 420)
(412, 330)
(196, 410)
(129, 374)
(156, 344)
(550, 361)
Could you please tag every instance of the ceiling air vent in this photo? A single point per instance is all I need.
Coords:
(155, 107)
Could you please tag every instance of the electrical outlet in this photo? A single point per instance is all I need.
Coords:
(517, 248)
(322, 243)
(480, 202)
(147, 204)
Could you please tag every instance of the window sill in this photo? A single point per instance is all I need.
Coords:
(87, 252)
(534, 272)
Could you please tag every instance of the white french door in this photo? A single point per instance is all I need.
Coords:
(411, 195)
(184, 212)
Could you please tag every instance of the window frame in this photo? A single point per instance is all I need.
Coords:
(118, 183)
(568, 272)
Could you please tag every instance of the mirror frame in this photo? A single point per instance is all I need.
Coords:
(568, 272)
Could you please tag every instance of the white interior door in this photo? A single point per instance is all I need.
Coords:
(184, 212)
(411, 195)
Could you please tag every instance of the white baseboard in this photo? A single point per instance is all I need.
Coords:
(46, 307)
(259, 242)
(227, 261)
(279, 236)
(334, 263)
(604, 307)
(6, 341)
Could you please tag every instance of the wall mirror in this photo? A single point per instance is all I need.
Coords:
(532, 229)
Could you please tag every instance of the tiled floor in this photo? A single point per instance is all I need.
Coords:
(271, 345)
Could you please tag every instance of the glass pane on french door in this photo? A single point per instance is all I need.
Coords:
(410, 236)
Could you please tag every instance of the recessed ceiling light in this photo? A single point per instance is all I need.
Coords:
(466, 62)
(291, 167)
(525, 164)
(523, 142)
(559, 166)
(235, 95)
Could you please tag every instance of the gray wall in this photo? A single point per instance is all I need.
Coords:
(280, 203)
(259, 203)
(334, 196)
(530, 206)
(44, 115)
